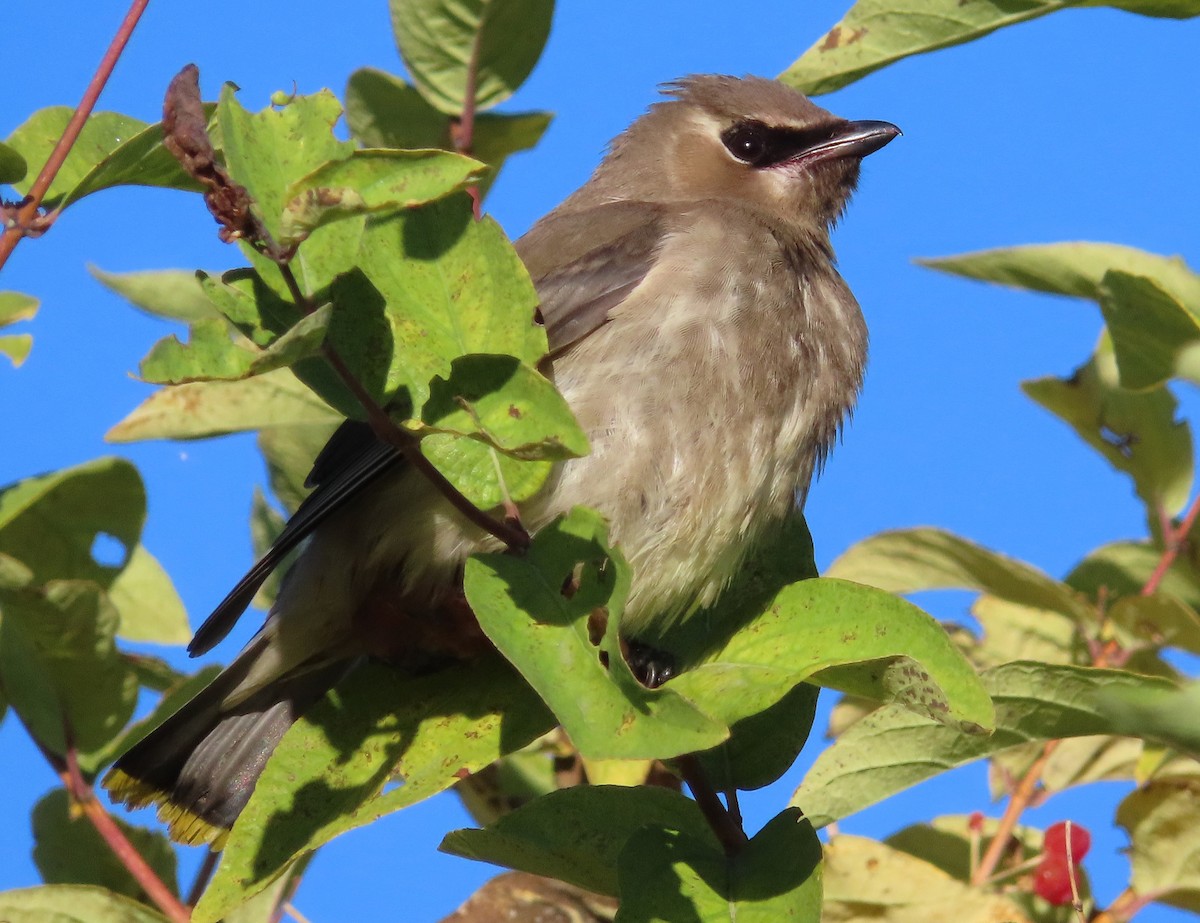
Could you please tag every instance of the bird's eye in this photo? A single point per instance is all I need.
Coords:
(747, 141)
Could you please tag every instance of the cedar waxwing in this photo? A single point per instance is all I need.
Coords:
(710, 351)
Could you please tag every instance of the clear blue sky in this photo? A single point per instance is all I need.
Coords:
(1080, 126)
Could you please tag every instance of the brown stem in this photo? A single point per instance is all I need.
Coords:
(28, 211)
(1123, 908)
(1020, 799)
(203, 876)
(464, 131)
(82, 794)
(728, 831)
(1173, 540)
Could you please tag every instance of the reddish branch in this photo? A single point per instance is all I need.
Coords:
(462, 131)
(1024, 793)
(27, 214)
(1173, 542)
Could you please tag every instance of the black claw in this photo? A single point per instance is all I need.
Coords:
(651, 666)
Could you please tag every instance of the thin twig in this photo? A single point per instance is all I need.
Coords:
(83, 795)
(1173, 540)
(28, 211)
(203, 876)
(728, 831)
(1020, 799)
(463, 131)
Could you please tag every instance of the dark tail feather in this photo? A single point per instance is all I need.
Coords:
(200, 766)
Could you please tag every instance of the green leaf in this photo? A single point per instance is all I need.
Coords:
(488, 45)
(213, 408)
(150, 608)
(909, 560)
(60, 668)
(384, 111)
(528, 608)
(68, 850)
(50, 523)
(1163, 822)
(668, 875)
(12, 165)
(505, 404)
(1159, 620)
(372, 182)
(268, 151)
(1136, 431)
(16, 306)
(875, 33)
(208, 354)
(866, 880)
(890, 749)
(175, 294)
(1012, 631)
(266, 524)
(17, 347)
(837, 634)
(327, 774)
(512, 781)
(1166, 716)
(1076, 269)
(1154, 336)
(73, 904)
(445, 286)
(1122, 569)
(102, 134)
(289, 452)
(577, 834)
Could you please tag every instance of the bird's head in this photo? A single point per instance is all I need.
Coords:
(746, 139)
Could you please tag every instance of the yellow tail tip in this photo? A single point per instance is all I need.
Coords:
(183, 825)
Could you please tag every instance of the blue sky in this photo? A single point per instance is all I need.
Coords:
(1080, 126)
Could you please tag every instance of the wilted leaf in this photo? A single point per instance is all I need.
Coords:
(488, 45)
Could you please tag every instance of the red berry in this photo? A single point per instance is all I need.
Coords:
(975, 822)
(1052, 880)
(1055, 842)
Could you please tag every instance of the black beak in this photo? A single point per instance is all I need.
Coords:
(852, 139)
